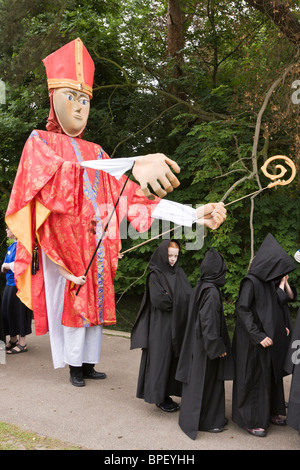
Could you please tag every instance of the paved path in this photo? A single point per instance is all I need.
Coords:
(105, 415)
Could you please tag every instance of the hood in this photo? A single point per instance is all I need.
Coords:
(159, 260)
(213, 268)
(271, 261)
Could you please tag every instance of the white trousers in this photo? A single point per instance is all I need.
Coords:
(73, 346)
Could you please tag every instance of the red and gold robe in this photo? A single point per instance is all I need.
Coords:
(60, 207)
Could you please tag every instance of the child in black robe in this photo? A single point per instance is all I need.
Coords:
(292, 366)
(160, 326)
(286, 293)
(205, 360)
(260, 342)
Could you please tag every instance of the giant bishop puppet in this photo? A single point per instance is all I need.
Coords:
(56, 213)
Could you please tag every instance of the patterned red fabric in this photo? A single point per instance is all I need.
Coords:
(49, 175)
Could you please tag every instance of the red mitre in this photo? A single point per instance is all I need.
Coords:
(71, 66)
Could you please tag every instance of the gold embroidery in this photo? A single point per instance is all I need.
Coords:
(69, 83)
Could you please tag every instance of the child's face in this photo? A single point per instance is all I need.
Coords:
(173, 254)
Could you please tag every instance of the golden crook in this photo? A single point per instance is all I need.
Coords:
(283, 170)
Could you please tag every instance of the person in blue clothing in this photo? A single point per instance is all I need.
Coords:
(2, 337)
(16, 316)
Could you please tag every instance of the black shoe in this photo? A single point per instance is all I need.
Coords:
(258, 432)
(215, 430)
(220, 429)
(278, 421)
(77, 381)
(168, 405)
(94, 375)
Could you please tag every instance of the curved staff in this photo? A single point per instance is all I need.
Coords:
(289, 162)
(276, 182)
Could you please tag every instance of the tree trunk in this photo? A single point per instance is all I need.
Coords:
(175, 44)
(278, 11)
(175, 39)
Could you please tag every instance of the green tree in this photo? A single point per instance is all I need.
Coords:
(209, 83)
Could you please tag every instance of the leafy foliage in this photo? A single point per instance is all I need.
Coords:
(203, 117)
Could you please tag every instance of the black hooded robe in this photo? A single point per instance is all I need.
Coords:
(258, 386)
(200, 368)
(284, 300)
(160, 326)
(292, 366)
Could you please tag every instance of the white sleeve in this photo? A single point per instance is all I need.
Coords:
(114, 166)
(12, 266)
(165, 210)
(180, 214)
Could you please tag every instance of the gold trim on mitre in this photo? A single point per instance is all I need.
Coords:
(69, 83)
(79, 60)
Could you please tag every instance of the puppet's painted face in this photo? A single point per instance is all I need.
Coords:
(173, 254)
(72, 110)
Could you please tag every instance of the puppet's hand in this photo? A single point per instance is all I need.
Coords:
(154, 170)
(79, 280)
(211, 215)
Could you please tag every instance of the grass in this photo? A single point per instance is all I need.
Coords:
(14, 438)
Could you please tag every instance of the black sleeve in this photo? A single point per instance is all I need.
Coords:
(282, 297)
(159, 297)
(210, 311)
(245, 314)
